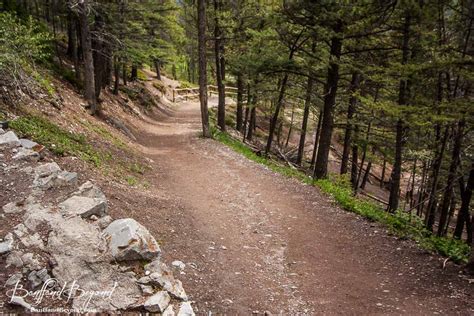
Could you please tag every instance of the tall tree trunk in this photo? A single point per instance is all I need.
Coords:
(290, 130)
(321, 166)
(276, 114)
(304, 125)
(134, 72)
(89, 80)
(422, 190)
(240, 102)
(201, 7)
(355, 81)
(124, 73)
(400, 128)
(384, 168)
(466, 195)
(116, 75)
(219, 70)
(431, 210)
(366, 175)
(316, 139)
(355, 158)
(158, 70)
(280, 101)
(448, 193)
(364, 153)
(252, 122)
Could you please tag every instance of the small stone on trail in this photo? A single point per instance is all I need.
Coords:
(178, 264)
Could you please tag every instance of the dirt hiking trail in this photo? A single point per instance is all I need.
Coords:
(254, 241)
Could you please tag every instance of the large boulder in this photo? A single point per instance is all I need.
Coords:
(9, 139)
(128, 240)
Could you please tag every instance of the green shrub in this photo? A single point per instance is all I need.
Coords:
(57, 140)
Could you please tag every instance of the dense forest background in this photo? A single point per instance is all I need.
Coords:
(389, 83)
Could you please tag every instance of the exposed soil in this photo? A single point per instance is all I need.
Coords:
(255, 241)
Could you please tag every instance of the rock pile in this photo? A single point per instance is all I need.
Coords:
(63, 241)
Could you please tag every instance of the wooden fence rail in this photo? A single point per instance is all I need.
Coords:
(188, 93)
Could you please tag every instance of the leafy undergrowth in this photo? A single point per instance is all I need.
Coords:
(57, 140)
(402, 224)
(62, 143)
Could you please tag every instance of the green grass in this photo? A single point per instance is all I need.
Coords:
(59, 141)
(400, 223)
(104, 133)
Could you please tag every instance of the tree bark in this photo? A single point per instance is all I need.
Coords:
(466, 195)
(316, 139)
(116, 75)
(89, 80)
(134, 72)
(201, 7)
(124, 73)
(355, 81)
(355, 158)
(448, 193)
(240, 101)
(431, 211)
(219, 70)
(157, 69)
(321, 166)
(304, 125)
(400, 128)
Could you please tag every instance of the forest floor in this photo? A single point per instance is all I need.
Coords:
(256, 241)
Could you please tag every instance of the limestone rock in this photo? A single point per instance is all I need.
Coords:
(2, 131)
(83, 206)
(26, 154)
(169, 311)
(128, 240)
(14, 279)
(14, 259)
(37, 278)
(185, 309)
(9, 139)
(169, 284)
(45, 175)
(47, 169)
(146, 289)
(66, 178)
(28, 239)
(103, 222)
(178, 264)
(30, 262)
(158, 302)
(28, 144)
(14, 207)
(88, 189)
(7, 244)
